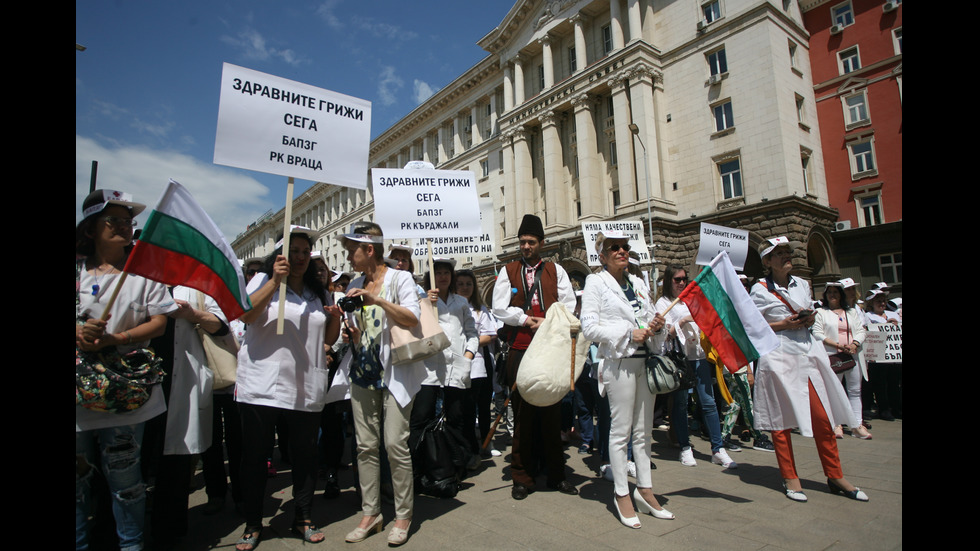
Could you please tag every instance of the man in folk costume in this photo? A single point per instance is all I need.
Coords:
(522, 294)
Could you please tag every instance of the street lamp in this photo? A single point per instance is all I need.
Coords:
(635, 130)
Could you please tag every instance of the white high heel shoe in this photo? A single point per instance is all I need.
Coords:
(631, 522)
(644, 507)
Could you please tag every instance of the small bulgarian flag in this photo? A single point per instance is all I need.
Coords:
(723, 310)
(181, 245)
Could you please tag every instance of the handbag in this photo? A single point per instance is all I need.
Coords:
(442, 459)
(663, 374)
(842, 362)
(111, 382)
(221, 352)
(674, 350)
(417, 343)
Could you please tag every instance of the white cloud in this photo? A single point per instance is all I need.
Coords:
(233, 200)
(325, 11)
(383, 30)
(388, 85)
(253, 46)
(423, 91)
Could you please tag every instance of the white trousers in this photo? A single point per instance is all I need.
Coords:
(631, 413)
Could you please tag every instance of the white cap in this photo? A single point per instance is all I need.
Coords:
(419, 164)
(101, 198)
(847, 283)
(601, 237)
(444, 260)
(301, 230)
(776, 242)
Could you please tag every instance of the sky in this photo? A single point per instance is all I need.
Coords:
(147, 84)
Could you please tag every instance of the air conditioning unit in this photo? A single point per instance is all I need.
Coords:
(889, 6)
(714, 79)
(842, 225)
(702, 24)
(836, 29)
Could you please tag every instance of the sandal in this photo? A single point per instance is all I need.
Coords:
(307, 531)
(250, 538)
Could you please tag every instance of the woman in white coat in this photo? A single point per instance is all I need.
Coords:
(451, 369)
(616, 314)
(794, 385)
(838, 326)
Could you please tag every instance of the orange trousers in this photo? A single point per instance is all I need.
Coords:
(823, 434)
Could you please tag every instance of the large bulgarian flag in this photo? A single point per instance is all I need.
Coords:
(181, 245)
(722, 308)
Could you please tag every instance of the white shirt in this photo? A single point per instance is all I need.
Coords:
(514, 315)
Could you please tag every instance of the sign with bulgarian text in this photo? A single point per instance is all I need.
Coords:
(715, 239)
(425, 203)
(465, 249)
(883, 343)
(279, 126)
(634, 229)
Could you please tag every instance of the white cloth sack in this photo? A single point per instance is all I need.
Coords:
(544, 376)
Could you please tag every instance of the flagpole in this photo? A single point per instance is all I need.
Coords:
(112, 299)
(288, 215)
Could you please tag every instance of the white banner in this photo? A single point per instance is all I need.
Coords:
(633, 229)
(883, 343)
(715, 239)
(464, 249)
(279, 126)
(425, 203)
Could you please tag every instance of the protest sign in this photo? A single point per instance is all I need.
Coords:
(715, 239)
(279, 126)
(633, 229)
(426, 203)
(464, 249)
(883, 343)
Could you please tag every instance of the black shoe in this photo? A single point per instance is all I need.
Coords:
(763, 444)
(332, 489)
(584, 449)
(520, 491)
(731, 445)
(214, 506)
(886, 415)
(564, 487)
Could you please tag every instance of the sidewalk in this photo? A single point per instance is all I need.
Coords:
(715, 509)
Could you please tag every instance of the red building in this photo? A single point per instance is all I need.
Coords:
(856, 61)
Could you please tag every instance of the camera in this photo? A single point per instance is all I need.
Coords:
(349, 304)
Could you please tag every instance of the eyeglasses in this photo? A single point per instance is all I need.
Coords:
(616, 246)
(118, 222)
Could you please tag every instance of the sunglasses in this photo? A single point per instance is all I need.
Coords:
(615, 247)
(680, 279)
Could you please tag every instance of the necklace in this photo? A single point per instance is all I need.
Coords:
(97, 286)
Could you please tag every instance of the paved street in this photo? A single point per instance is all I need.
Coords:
(715, 509)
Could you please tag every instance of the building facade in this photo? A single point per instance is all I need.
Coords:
(691, 110)
(856, 58)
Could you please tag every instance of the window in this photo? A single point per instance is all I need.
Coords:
(801, 111)
(711, 11)
(717, 63)
(849, 60)
(890, 266)
(862, 159)
(485, 168)
(793, 62)
(897, 40)
(731, 178)
(541, 77)
(842, 14)
(856, 110)
(607, 42)
(869, 209)
(572, 67)
(609, 106)
(613, 161)
(805, 161)
(723, 116)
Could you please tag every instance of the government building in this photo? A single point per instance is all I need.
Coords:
(669, 112)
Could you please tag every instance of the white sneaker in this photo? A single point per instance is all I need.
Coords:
(720, 457)
(494, 452)
(606, 472)
(631, 469)
(687, 457)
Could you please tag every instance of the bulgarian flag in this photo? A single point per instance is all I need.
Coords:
(180, 245)
(722, 308)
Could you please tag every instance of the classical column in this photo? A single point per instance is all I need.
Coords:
(402, 158)
(493, 112)
(547, 62)
(624, 140)
(477, 132)
(458, 125)
(442, 135)
(508, 87)
(509, 200)
(633, 12)
(581, 59)
(616, 24)
(591, 193)
(555, 194)
(426, 144)
(645, 92)
(524, 193)
(518, 80)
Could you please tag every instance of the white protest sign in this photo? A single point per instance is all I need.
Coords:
(634, 229)
(425, 203)
(715, 239)
(883, 343)
(279, 126)
(466, 248)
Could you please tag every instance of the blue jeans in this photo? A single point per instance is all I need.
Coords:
(709, 412)
(119, 450)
